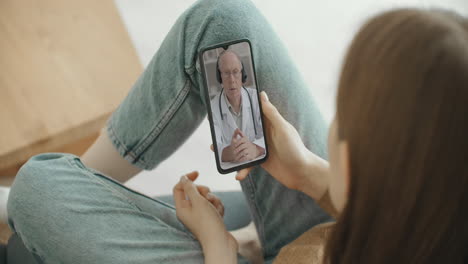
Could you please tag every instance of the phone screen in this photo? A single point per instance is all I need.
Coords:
(234, 108)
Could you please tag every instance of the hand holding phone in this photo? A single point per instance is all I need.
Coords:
(289, 161)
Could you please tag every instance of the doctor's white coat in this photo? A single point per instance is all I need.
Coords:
(224, 129)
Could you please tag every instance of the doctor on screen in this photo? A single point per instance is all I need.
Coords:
(236, 113)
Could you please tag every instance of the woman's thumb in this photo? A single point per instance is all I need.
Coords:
(269, 110)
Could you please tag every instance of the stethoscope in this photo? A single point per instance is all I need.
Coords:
(251, 108)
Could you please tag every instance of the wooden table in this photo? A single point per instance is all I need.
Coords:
(64, 67)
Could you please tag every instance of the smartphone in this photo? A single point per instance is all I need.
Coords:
(233, 104)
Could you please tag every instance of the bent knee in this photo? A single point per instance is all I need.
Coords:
(34, 184)
(227, 17)
(40, 170)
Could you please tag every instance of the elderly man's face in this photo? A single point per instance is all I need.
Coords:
(231, 75)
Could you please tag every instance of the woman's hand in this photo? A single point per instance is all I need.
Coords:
(201, 212)
(289, 161)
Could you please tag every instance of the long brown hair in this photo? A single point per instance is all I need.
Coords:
(402, 106)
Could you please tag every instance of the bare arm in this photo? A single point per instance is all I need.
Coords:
(315, 176)
(219, 252)
(103, 156)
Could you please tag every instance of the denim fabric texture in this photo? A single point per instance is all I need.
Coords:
(68, 213)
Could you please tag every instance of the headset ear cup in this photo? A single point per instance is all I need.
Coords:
(218, 73)
(218, 76)
(244, 74)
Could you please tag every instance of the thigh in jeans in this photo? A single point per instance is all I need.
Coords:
(167, 104)
(67, 213)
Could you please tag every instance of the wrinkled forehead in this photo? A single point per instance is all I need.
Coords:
(229, 61)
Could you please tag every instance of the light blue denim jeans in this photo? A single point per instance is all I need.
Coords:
(68, 213)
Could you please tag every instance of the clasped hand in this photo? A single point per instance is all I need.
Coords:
(242, 149)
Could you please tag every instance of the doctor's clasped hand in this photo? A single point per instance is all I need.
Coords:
(241, 149)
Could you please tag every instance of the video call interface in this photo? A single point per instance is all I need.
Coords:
(234, 104)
